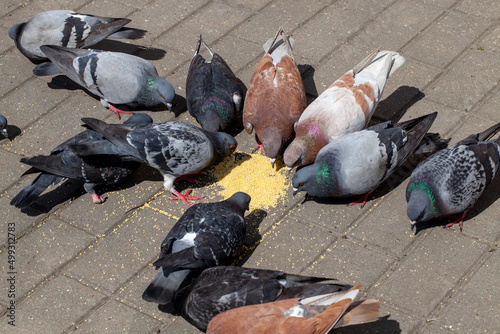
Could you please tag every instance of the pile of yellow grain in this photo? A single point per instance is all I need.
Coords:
(252, 174)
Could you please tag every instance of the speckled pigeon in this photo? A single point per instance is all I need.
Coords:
(64, 163)
(213, 94)
(115, 77)
(355, 164)
(312, 315)
(451, 181)
(173, 148)
(3, 126)
(222, 288)
(344, 107)
(207, 235)
(69, 29)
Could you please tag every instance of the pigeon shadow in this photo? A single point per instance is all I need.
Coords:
(13, 132)
(382, 325)
(252, 236)
(130, 48)
(393, 107)
(307, 74)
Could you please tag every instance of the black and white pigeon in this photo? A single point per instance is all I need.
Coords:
(355, 164)
(451, 181)
(69, 29)
(213, 94)
(64, 163)
(3, 126)
(223, 288)
(207, 235)
(173, 148)
(117, 78)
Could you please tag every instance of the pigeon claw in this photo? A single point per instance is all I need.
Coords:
(460, 220)
(96, 199)
(362, 200)
(118, 111)
(185, 197)
(259, 145)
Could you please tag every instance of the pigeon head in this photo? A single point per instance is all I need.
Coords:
(240, 202)
(224, 144)
(139, 118)
(3, 126)
(303, 179)
(317, 180)
(159, 91)
(421, 202)
(272, 141)
(294, 154)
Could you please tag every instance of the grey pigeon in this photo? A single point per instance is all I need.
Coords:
(451, 181)
(173, 148)
(223, 288)
(64, 163)
(207, 235)
(69, 29)
(3, 126)
(213, 94)
(115, 77)
(355, 164)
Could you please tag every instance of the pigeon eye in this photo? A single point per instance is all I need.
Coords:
(301, 184)
(163, 97)
(232, 147)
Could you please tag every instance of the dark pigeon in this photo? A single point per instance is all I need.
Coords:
(64, 163)
(207, 235)
(355, 164)
(115, 77)
(224, 288)
(3, 126)
(214, 96)
(69, 29)
(173, 148)
(451, 181)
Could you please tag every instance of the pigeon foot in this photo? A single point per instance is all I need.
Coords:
(118, 111)
(362, 200)
(259, 145)
(185, 197)
(459, 220)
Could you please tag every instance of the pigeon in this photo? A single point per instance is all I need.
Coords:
(451, 181)
(64, 163)
(173, 148)
(222, 288)
(275, 98)
(213, 94)
(355, 164)
(69, 29)
(344, 107)
(207, 235)
(3, 126)
(115, 77)
(312, 315)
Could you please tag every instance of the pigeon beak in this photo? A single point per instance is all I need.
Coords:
(233, 157)
(295, 191)
(412, 224)
(288, 171)
(6, 134)
(273, 160)
(169, 106)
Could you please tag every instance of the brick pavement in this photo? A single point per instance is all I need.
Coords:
(82, 267)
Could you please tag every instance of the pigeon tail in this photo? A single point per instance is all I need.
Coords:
(488, 133)
(163, 287)
(128, 33)
(31, 192)
(431, 143)
(360, 312)
(47, 68)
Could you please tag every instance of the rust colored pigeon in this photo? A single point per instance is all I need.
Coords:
(275, 98)
(346, 106)
(312, 315)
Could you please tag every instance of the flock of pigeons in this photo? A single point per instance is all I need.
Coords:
(327, 140)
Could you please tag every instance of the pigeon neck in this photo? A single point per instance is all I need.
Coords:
(420, 191)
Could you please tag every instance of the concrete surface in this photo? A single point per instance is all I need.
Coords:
(82, 267)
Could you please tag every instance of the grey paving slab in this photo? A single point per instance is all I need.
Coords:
(371, 7)
(442, 3)
(397, 25)
(63, 300)
(478, 296)
(9, 6)
(10, 165)
(181, 326)
(115, 317)
(110, 8)
(112, 261)
(35, 260)
(14, 70)
(485, 8)
(430, 271)
(447, 38)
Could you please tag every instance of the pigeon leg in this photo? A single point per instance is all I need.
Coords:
(459, 220)
(90, 189)
(118, 111)
(185, 197)
(362, 200)
(259, 145)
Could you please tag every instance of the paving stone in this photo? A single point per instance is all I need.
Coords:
(112, 261)
(430, 271)
(441, 3)
(254, 5)
(9, 6)
(448, 37)
(180, 326)
(471, 311)
(109, 8)
(468, 80)
(115, 317)
(11, 166)
(62, 299)
(34, 253)
(433, 327)
(213, 21)
(371, 7)
(397, 25)
(14, 70)
(351, 262)
(485, 8)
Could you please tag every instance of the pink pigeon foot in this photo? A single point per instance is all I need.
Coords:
(185, 197)
(362, 200)
(459, 220)
(259, 145)
(96, 199)
(118, 111)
